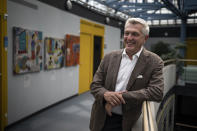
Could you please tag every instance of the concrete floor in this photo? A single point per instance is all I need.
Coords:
(69, 115)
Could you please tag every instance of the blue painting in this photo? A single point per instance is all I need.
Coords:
(27, 50)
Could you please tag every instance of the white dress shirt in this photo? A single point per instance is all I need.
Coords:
(126, 68)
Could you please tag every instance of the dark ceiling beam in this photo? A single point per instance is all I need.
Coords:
(171, 6)
(147, 8)
(190, 6)
(109, 2)
(159, 16)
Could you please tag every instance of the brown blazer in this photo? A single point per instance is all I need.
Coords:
(149, 87)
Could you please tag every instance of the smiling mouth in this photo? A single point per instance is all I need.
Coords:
(130, 43)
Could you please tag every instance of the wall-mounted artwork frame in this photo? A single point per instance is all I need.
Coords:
(54, 53)
(27, 50)
(72, 50)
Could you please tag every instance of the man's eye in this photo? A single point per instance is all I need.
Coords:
(126, 33)
(131, 33)
(135, 34)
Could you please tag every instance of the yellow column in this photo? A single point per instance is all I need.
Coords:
(3, 64)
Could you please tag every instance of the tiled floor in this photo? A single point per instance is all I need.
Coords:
(70, 115)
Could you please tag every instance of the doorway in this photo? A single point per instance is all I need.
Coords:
(97, 52)
(91, 52)
(85, 73)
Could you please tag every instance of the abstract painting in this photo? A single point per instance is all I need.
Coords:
(27, 50)
(54, 53)
(72, 50)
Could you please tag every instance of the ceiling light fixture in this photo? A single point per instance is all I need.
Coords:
(107, 20)
(68, 4)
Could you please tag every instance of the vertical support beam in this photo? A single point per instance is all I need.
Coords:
(3, 64)
(183, 35)
(183, 29)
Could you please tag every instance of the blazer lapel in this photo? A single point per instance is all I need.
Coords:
(116, 65)
(138, 69)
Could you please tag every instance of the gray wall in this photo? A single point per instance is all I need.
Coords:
(153, 40)
(29, 93)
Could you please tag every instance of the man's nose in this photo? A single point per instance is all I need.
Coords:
(130, 36)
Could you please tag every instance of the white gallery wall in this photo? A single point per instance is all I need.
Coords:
(112, 39)
(29, 93)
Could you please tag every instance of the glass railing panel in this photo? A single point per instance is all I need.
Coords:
(187, 71)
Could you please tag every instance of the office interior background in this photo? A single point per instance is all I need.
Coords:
(99, 25)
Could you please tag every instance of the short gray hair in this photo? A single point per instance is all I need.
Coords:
(145, 30)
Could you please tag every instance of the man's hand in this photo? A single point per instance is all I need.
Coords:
(108, 108)
(114, 98)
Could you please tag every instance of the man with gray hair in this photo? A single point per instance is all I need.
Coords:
(124, 80)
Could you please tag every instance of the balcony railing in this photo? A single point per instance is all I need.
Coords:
(188, 72)
(176, 71)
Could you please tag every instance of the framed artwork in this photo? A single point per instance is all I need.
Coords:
(54, 53)
(27, 50)
(72, 50)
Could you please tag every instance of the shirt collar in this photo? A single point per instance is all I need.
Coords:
(136, 54)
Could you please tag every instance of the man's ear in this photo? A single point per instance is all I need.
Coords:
(146, 37)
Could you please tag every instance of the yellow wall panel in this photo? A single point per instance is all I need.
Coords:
(3, 65)
(191, 50)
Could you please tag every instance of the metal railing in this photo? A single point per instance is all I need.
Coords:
(149, 123)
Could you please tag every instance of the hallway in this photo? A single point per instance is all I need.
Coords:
(69, 115)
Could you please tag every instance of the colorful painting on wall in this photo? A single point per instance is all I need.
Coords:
(27, 48)
(72, 50)
(54, 53)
